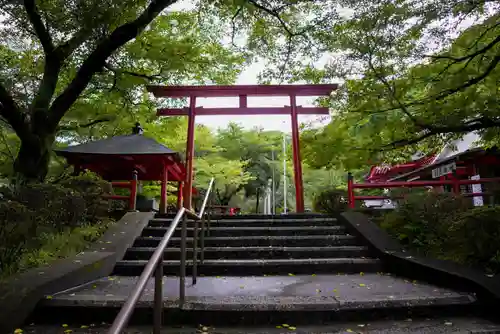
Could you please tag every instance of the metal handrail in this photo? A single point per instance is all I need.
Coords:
(205, 200)
(155, 263)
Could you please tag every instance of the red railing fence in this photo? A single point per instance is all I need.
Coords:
(351, 186)
(132, 197)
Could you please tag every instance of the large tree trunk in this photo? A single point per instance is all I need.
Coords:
(33, 158)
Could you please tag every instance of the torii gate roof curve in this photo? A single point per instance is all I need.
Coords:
(243, 91)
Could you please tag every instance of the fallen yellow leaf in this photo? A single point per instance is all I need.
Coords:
(291, 275)
(334, 290)
(68, 331)
(18, 331)
(292, 328)
(279, 327)
(48, 297)
(65, 325)
(286, 325)
(84, 326)
(349, 330)
(361, 273)
(361, 284)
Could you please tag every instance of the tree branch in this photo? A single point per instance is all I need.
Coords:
(134, 74)
(66, 49)
(96, 60)
(11, 112)
(472, 55)
(447, 92)
(274, 14)
(394, 97)
(40, 29)
(473, 125)
(84, 126)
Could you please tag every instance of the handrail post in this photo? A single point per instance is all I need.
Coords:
(158, 299)
(202, 238)
(350, 191)
(209, 221)
(195, 252)
(133, 192)
(182, 274)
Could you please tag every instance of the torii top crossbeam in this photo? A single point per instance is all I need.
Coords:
(243, 91)
(249, 90)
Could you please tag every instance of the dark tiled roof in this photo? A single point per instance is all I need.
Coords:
(119, 145)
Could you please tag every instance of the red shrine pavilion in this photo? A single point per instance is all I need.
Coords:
(460, 160)
(129, 157)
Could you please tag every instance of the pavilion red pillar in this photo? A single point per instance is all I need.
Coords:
(188, 189)
(297, 165)
(179, 195)
(163, 194)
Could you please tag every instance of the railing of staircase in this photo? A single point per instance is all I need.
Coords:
(155, 264)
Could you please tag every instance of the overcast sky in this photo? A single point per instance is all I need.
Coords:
(249, 77)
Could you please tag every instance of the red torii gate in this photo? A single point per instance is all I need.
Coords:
(243, 91)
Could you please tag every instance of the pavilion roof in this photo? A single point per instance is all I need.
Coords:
(385, 172)
(134, 144)
(116, 158)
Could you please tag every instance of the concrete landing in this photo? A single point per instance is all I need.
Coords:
(424, 326)
(272, 293)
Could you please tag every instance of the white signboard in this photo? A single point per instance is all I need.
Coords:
(444, 170)
(477, 188)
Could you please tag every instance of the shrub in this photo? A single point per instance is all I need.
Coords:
(421, 220)
(473, 238)
(55, 206)
(18, 228)
(331, 200)
(92, 188)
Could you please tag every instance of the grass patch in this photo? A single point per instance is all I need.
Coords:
(55, 246)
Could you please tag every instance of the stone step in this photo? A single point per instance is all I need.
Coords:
(436, 324)
(280, 241)
(244, 221)
(252, 267)
(297, 301)
(144, 253)
(289, 216)
(216, 231)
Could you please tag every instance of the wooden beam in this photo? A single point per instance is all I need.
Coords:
(237, 90)
(200, 111)
(243, 101)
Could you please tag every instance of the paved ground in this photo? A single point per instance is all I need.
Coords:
(328, 292)
(451, 325)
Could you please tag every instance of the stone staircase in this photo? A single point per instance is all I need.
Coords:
(262, 274)
(257, 246)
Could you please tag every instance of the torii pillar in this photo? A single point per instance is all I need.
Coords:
(192, 92)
